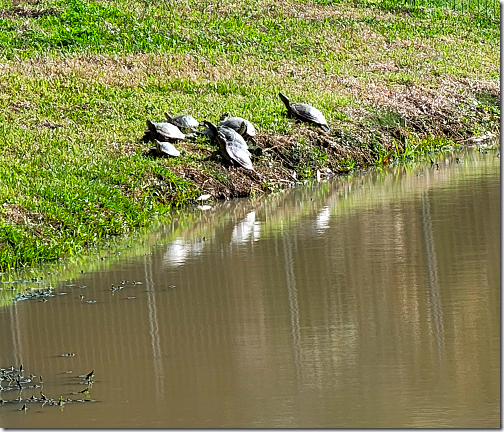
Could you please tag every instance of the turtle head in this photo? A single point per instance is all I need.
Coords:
(211, 127)
(285, 100)
(224, 117)
(168, 116)
(151, 126)
(242, 130)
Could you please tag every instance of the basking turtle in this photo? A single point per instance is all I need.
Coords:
(231, 144)
(239, 124)
(305, 112)
(185, 122)
(163, 132)
(231, 134)
(167, 148)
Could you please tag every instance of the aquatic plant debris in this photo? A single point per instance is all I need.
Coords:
(15, 378)
(34, 294)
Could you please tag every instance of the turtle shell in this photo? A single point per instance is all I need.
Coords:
(309, 114)
(232, 145)
(167, 148)
(235, 123)
(305, 112)
(231, 136)
(165, 131)
(239, 155)
(184, 121)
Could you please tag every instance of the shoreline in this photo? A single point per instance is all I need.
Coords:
(193, 223)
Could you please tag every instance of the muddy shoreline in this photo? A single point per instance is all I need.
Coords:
(310, 153)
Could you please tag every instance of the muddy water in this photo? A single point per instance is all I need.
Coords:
(365, 302)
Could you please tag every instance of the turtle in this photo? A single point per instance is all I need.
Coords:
(305, 112)
(167, 148)
(162, 131)
(185, 122)
(231, 144)
(239, 124)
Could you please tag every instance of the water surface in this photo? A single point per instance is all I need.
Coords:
(370, 301)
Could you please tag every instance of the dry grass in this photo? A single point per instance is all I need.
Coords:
(20, 216)
(27, 12)
(136, 71)
(113, 70)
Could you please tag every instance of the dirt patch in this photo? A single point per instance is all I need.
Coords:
(312, 146)
(230, 182)
(26, 12)
(22, 105)
(47, 125)
(18, 215)
(13, 213)
(282, 161)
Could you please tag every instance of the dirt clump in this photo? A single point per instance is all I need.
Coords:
(279, 161)
(25, 12)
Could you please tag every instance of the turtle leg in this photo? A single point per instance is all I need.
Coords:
(148, 136)
(193, 135)
(252, 140)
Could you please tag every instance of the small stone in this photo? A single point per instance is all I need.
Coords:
(204, 197)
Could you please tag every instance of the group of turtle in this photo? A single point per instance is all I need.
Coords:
(231, 134)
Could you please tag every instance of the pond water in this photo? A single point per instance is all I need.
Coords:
(370, 301)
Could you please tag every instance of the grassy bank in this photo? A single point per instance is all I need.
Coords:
(79, 78)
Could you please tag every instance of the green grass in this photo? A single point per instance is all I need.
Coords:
(79, 78)
(477, 11)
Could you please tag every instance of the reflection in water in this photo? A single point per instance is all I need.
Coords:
(246, 228)
(178, 251)
(371, 301)
(435, 310)
(16, 337)
(154, 329)
(322, 222)
(293, 304)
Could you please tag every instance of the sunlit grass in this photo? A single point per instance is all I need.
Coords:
(79, 78)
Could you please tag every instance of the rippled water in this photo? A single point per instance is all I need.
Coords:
(372, 301)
